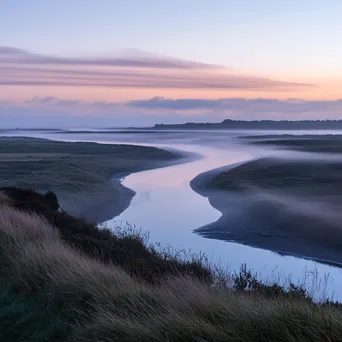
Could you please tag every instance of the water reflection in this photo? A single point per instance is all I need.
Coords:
(166, 206)
(170, 210)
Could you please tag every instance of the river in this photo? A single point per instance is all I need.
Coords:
(167, 207)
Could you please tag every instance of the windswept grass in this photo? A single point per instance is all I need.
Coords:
(51, 290)
(4, 199)
(124, 248)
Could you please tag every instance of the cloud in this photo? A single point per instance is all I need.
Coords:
(11, 55)
(55, 102)
(138, 70)
(51, 111)
(157, 104)
(244, 105)
(136, 81)
(10, 51)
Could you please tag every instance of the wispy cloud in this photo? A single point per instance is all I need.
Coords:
(242, 105)
(136, 70)
(137, 60)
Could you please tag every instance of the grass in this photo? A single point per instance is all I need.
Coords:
(305, 177)
(78, 172)
(304, 143)
(4, 199)
(126, 249)
(288, 206)
(52, 289)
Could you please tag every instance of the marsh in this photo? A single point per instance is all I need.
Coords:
(85, 176)
(164, 203)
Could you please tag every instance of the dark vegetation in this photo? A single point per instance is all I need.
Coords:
(257, 124)
(128, 251)
(77, 282)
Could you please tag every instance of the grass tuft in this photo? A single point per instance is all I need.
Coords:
(4, 199)
(52, 289)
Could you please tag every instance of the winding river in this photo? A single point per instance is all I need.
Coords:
(167, 208)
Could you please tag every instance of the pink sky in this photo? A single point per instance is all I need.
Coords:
(142, 76)
(323, 90)
(111, 86)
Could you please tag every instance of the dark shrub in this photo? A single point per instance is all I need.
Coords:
(129, 251)
(52, 199)
(29, 200)
(245, 281)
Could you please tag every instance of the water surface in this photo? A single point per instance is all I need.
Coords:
(170, 210)
(166, 206)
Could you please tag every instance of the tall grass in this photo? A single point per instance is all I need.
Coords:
(4, 199)
(125, 248)
(51, 291)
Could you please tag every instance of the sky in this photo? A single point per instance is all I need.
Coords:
(111, 62)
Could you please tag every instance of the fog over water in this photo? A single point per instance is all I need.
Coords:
(167, 207)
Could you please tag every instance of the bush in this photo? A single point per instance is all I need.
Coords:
(245, 281)
(52, 199)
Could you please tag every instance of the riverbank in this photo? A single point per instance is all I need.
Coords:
(277, 205)
(85, 176)
(324, 143)
(62, 278)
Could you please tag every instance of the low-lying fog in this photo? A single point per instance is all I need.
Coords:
(167, 207)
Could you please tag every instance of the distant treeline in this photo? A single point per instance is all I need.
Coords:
(257, 124)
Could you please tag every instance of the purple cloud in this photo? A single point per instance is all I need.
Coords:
(10, 55)
(150, 82)
(236, 106)
(54, 112)
(20, 68)
(259, 105)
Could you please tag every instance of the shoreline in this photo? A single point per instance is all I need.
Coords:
(86, 176)
(114, 204)
(259, 237)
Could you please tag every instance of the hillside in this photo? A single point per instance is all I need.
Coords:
(65, 279)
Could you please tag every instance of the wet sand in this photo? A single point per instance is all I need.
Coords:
(307, 228)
